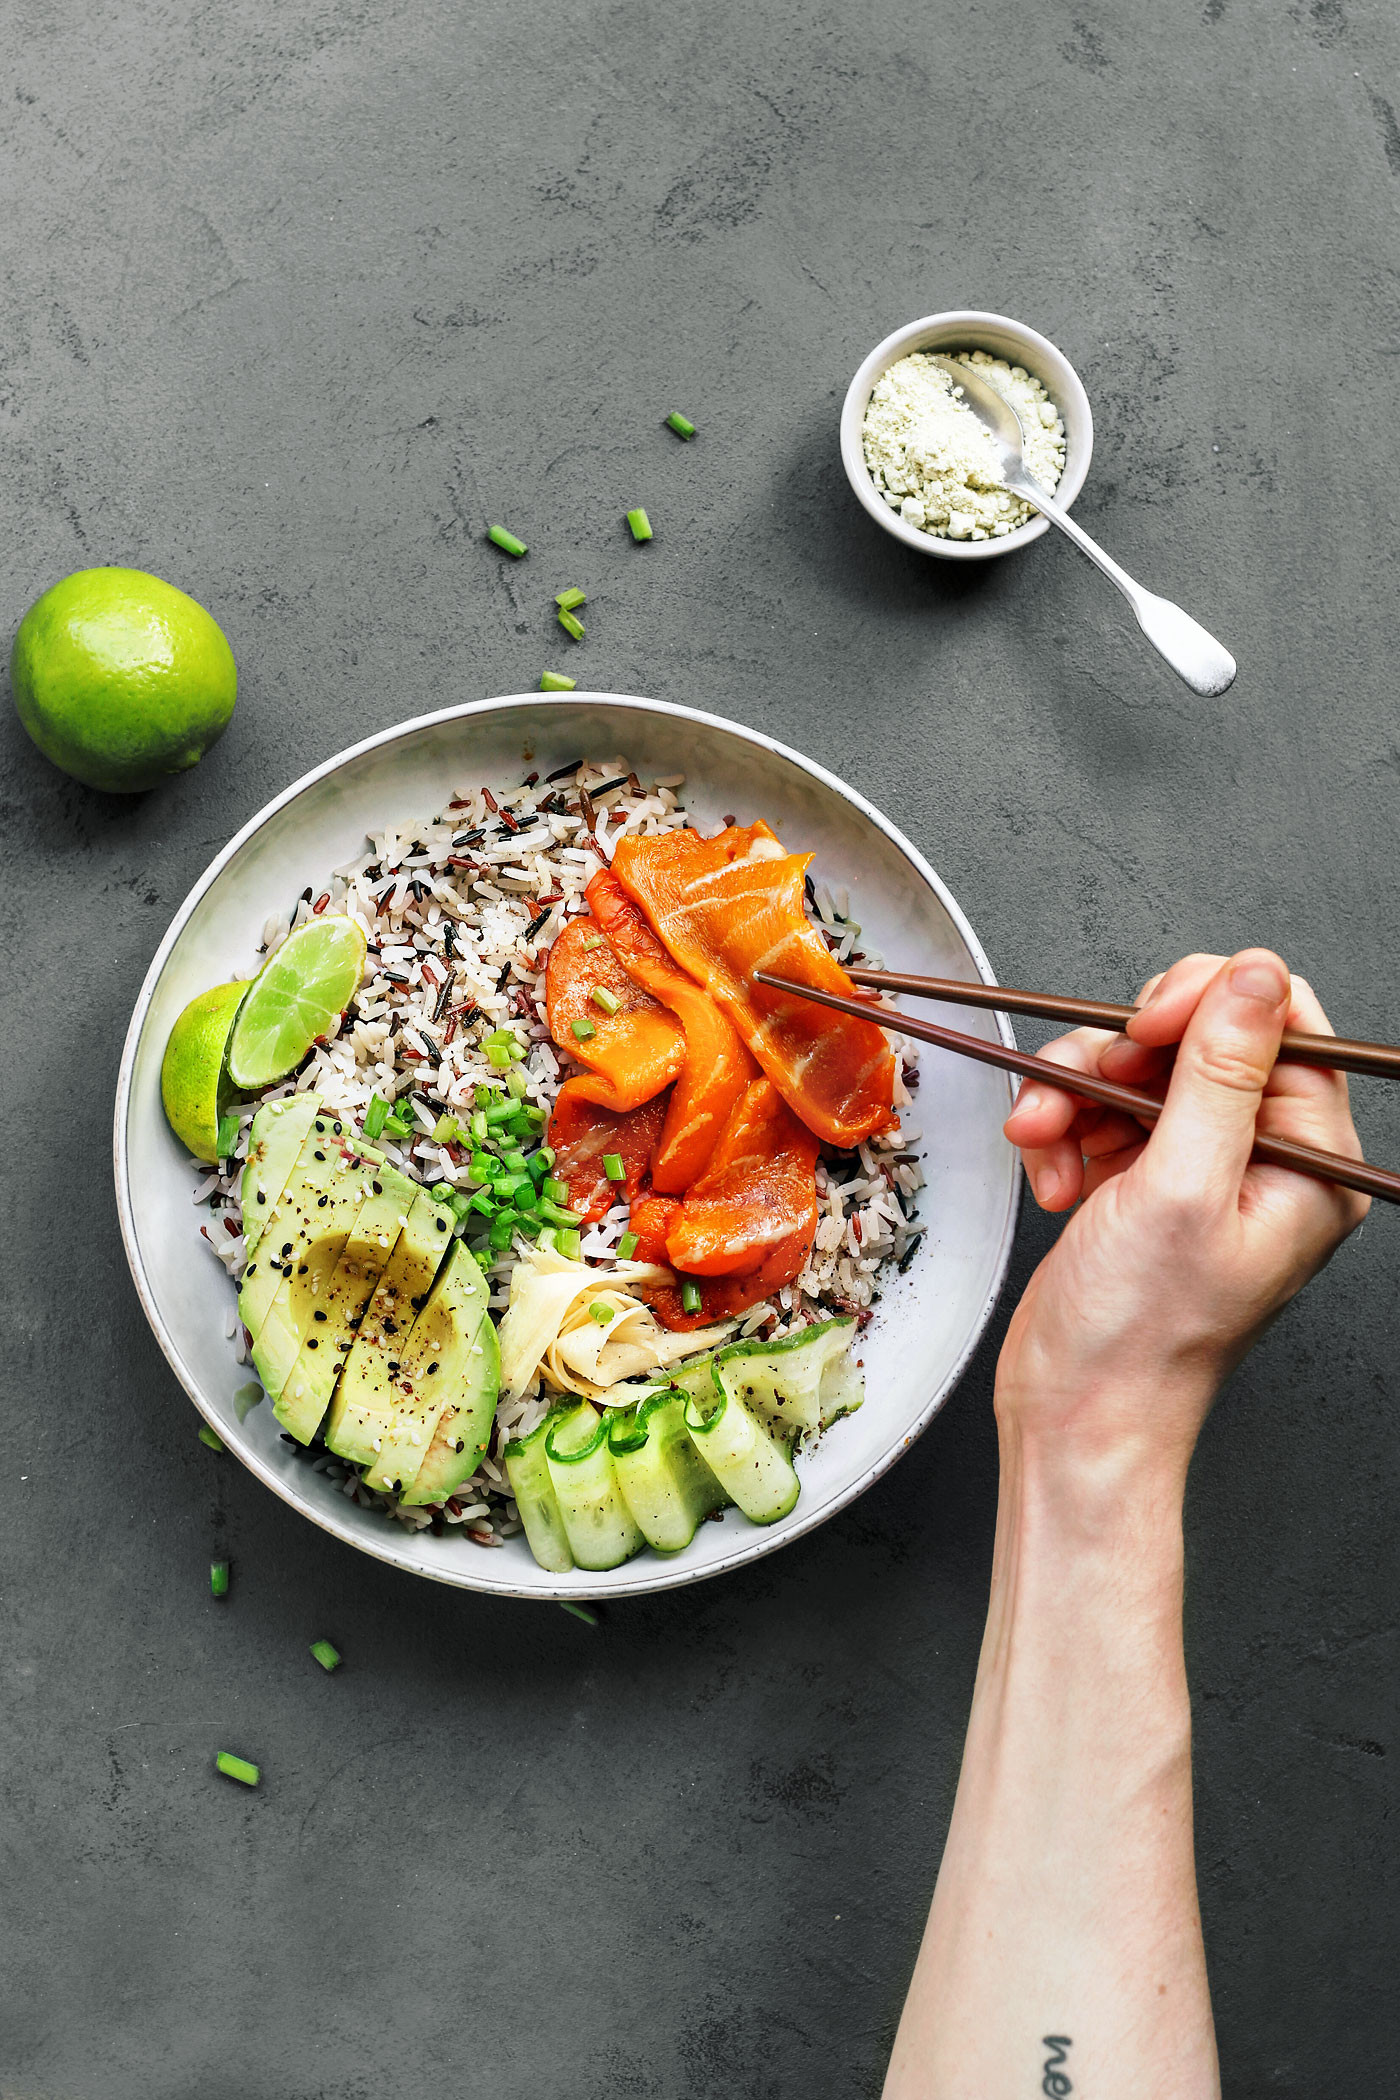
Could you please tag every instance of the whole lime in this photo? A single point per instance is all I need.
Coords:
(121, 679)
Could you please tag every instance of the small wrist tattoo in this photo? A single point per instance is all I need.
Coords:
(1056, 2084)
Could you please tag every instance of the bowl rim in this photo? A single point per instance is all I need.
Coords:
(1067, 386)
(670, 1574)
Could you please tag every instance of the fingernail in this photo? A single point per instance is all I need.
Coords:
(1047, 1185)
(1262, 979)
(1028, 1100)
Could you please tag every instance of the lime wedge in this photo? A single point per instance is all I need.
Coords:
(192, 1070)
(298, 995)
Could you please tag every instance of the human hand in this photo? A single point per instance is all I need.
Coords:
(1181, 1251)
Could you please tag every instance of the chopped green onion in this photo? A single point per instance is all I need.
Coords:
(682, 425)
(569, 599)
(557, 1213)
(690, 1297)
(640, 524)
(483, 1167)
(442, 1192)
(543, 1160)
(570, 1244)
(483, 1257)
(608, 1002)
(500, 1109)
(480, 1202)
(498, 1055)
(461, 1204)
(526, 1196)
(484, 1096)
(532, 1114)
(446, 1130)
(211, 1437)
(513, 1159)
(508, 1040)
(479, 1126)
(237, 1768)
(613, 1167)
(218, 1578)
(397, 1127)
(327, 1656)
(549, 1235)
(246, 1399)
(582, 1030)
(551, 682)
(227, 1137)
(516, 1083)
(556, 1190)
(627, 1246)
(503, 1230)
(580, 1611)
(592, 941)
(376, 1115)
(600, 1312)
(528, 1223)
(506, 541)
(571, 624)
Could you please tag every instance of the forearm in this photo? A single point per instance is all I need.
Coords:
(1066, 1902)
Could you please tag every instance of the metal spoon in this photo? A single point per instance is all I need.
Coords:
(1192, 653)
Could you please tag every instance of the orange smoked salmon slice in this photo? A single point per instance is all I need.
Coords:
(758, 1192)
(632, 1053)
(583, 1133)
(717, 1068)
(726, 906)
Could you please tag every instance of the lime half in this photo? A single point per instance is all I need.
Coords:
(298, 995)
(192, 1070)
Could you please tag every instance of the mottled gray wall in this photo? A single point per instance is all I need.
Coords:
(294, 300)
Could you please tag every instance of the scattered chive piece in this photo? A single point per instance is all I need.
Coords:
(556, 1190)
(581, 1611)
(500, 1110)
(483, 1097)
(569, 599)
(478, 1125)
(571, 623)
(627, 1246)
(640, 524)
(211, 1437)
(515, 1085)
(534, 1115)
(218, 1578)
(690, 1297)
(592, 941)
(503, 1230)
(569, 1243)
(549, 1235)
(506, 541)
(582, 1030)
(544, 1159)
(682, 425)
(327, 1656)
(237, 1768)
(461, 1204)
(600, 1312)
(246, 1399)
(604, 999)
(498, 1055)
(551, 682)
(558, 1214)
(228, 1136)
(442, 1192)
(375, 1116)
(613, 1167)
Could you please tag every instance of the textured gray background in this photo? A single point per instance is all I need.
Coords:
(295, 299)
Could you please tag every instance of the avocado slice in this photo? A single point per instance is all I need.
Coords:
(363, 1401)
(319, 1165)
(464, 1432)
(316, 1251)
(442, 1367)
(277, 1136)
(376, 1229)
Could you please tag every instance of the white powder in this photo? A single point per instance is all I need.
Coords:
(935, 463)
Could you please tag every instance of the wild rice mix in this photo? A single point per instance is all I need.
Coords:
(459, 915)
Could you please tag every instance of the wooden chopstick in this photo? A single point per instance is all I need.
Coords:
(1378, 1060)
(1280, 1152)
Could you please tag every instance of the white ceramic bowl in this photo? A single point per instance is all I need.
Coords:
(969, 330)
(930, 1319)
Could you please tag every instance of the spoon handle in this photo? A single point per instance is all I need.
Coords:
(1192, 653)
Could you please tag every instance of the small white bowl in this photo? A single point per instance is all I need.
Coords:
(968, 330)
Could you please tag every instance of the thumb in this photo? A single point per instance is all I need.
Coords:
(1204, 1136)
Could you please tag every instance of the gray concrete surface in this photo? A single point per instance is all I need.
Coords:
(294, 300)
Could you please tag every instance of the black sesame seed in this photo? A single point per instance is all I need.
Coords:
(262, 1196)
(319, 1315)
